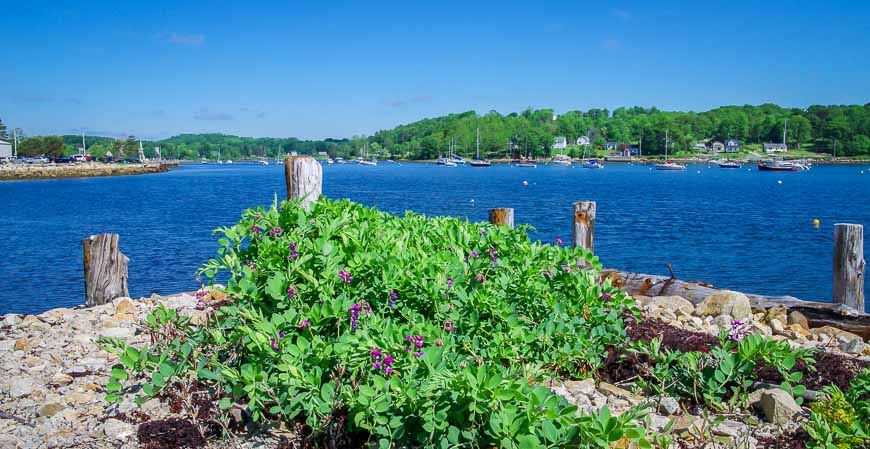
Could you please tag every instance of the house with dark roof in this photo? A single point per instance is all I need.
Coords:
(775, 147)
(732, 146)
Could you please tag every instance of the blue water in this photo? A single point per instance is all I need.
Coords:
(734, 228)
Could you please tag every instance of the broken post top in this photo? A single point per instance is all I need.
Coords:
(502, 216)
(304, 177)
(849, 265)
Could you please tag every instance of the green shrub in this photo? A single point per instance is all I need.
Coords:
(842, 419)
(431, 332)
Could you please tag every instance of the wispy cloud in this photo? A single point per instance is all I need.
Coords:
(184, 39)
(611, 44)
(395, 102)
(624, 15)
(205, 114)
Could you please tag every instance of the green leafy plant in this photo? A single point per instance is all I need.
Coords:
(842, 419)
(419, 331)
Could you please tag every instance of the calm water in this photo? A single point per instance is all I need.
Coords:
(734, 228)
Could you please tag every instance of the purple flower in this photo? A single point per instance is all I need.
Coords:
(376, 365)
(274, 344)
(251, 266)
(345, 276)
(407, 348)
(354, 315)
(201, 294)
(376, 353)
(276, 231)
(291, 291)
(388, 370)
(448, 326)
(738, 330)
(388, 359)
(449, 282)
(281, 335)
(606, 297)
(480, 278)
(258, 215)
(418, 354)
(303, 324)
(256, 229)
(393, 294)
(549, 273)
(294, 255)
(292, 246)
(439, 343)
(557, 241)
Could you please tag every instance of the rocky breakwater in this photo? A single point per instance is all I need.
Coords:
(11, 172)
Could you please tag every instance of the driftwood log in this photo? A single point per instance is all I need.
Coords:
(105, 269)
(304, 176)
(818, 313)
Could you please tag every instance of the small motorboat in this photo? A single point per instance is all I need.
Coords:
(526, 165)
(441, 160)
(670, 166)
(369, 162)
(777, 166)
(458, 160)
(479, 163)
(449, 163)
(729, 164)
(593, 163)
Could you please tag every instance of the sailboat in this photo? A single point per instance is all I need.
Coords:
(365, 159)
(591, 163)
(477, 161)
(526, 163)
(449, 161)
(668, 165)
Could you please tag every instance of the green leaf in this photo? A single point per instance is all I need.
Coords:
(225, 403)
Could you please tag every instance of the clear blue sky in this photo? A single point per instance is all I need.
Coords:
(336, 68)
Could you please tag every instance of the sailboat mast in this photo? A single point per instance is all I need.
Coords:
(478, 142)
(84, 145)
(666, 145)
(784, 128)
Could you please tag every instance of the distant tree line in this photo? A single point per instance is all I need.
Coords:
(820, 128)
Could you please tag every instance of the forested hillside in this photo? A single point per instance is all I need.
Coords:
(819, 128)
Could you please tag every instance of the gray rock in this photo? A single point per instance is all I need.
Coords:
(665, 405)
(778, 406)
(21, 387)
(672, 303)
(728, 302)
(50, 409)
(731, 428)
(117, 332)
(118, 430)
(798, 318)
(777, 326)
(10, 320)
(7, 345)
(855, 346)
(723, 320)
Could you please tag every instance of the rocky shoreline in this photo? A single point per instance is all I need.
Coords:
(53, 375)
(20, 172)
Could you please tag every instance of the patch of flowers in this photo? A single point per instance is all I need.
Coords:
(423, 332)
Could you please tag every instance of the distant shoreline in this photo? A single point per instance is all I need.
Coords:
(24, 172)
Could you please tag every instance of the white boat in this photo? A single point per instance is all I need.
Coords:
(365, 159)
(203, 161)
(668, 165)
(526, 165)
(370, 162)
(561, 159)
(449, 163)
(593, 163)
(262, 162)
(458, 160)
(477, 161)
(441, 160)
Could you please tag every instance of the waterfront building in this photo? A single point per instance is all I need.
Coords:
(718, 147)
(732, 146)
(775, 147)
(5, 150)
(560, 142)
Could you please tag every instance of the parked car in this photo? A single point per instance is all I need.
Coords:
(130, 161)
(63, 160)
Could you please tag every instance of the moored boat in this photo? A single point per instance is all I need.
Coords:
(668, 165)
(775, 165)
(593, 163)
(729, 164)
(477, 161)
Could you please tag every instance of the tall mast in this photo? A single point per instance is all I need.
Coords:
(666, 145)
(478, 142)
(15, 143)
(84, 145)
(784, 128)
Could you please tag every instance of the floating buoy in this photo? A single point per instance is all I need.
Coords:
(779, 182)
(699, 172)
(525, 183)
(472, 200)
(816, 222)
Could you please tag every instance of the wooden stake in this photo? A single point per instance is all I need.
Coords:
(584, 225)
(849, 265)
(502, 216)
(105, 269)
(304, 176)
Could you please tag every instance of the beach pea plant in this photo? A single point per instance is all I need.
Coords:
(842, 419)
(415, 331)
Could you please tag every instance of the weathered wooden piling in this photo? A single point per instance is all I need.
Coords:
(502, 216)
(584, 226)
(304, 176)
(849, 265)
(105, 269)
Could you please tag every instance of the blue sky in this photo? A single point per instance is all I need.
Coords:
(337, 68)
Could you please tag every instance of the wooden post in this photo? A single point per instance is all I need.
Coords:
(502, 216)
(849, 265)
(584, 227)
(105, 269)
(304, 176)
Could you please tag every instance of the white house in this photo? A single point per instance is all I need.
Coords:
(610, 146)
(583, 140)
(732, 146)
(775, 147)
(5, 150)
(718, 147)
(700, 146)
(560, 142)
